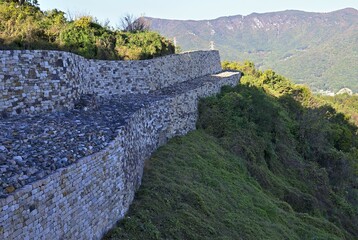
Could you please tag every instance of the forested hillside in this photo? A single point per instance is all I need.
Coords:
(24, 26)
(318, 49)
(269, 161)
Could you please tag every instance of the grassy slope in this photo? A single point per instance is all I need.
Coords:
(247, 176)
(195, 189)
(271, 162)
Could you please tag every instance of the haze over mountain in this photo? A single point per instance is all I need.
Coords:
(318, 49)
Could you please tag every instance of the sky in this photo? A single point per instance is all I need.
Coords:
(113, 10)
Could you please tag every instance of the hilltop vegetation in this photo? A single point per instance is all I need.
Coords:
(346, 104)
(317, 49)
(25, 26)
(269, 161)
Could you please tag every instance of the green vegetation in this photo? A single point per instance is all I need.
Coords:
(346, 104)
(25, 26)
(269, 161)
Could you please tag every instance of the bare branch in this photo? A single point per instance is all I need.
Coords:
(132, 24)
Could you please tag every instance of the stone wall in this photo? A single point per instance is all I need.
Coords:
(38, 81)
(123, 77)
(85, 199)
(35, 81)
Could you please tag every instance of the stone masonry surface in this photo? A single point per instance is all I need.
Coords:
(45, 81)
(71, 174)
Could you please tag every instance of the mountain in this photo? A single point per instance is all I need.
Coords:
(318, 49)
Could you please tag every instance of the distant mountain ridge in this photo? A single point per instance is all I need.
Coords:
(319, 49)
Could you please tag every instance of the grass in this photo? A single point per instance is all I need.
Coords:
(269, 161)
(195, 189)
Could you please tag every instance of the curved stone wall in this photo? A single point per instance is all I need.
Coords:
(123, 77)
(85, 199)
(40, 81)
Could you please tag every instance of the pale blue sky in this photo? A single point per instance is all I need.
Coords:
(113, 10)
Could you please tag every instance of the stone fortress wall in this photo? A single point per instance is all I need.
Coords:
(38, 81)
(86, 198)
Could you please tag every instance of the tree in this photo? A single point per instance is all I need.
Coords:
(22, 2)
(132, 24)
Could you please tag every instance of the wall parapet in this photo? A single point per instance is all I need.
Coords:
(34, 81)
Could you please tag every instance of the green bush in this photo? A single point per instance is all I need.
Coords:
(27, 27)
(142, 45)
(283, 130)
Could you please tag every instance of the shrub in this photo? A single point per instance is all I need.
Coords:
(25, 26)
